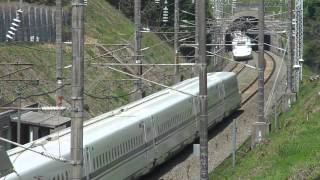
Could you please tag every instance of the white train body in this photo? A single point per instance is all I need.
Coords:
(241, 47)
(128, 142)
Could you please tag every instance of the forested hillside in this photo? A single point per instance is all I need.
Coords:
(312, 34)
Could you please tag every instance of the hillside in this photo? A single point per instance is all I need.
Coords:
(288, 153)
(104, 25)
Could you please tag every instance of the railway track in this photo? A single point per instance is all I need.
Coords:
(252, 88)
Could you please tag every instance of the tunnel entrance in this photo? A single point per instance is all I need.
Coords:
(249, 25)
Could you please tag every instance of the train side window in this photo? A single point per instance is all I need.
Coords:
(117, 152)
(103, 159)
(94, 163)
(137, 140)
(97, 162)
(109, 156)
(120, 149)
(126, 147)
(127, 144)
(112, 154)
(134, 142)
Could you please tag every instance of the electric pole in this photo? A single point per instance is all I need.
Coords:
(77, 88)
(202, 34)
(290, 54)
(59, 92)
(19, 116)
(298, 59)
(137, 49)
(176, 41)
(260, 128)
(196, 38)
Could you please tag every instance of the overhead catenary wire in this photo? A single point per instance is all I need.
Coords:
(150, 81)
(35, 95)
(109, 97)
(45, 154)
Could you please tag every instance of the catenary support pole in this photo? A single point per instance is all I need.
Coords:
(176, 41)
(19, 116)
(201, 14)
(137, 49)
(260, 128)
(261, 65)
(196, 49)
(234, 142)
(59, 80)
(290, 54)
(77, 88)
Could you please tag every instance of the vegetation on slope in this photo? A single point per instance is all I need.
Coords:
(104, 25)
(288, 153)
(311, 34)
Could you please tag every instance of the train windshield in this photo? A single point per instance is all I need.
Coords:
(241, 43)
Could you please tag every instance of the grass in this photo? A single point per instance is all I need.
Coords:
(291, 152)
(104, 25)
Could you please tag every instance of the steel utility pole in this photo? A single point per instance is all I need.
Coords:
(59, 95)
(260, 128)
(176, 41)
(137, 49)
(19, 117)
(77, 88)
(196, 38)
(202, 34)
(290, 54)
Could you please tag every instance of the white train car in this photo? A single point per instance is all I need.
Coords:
(128, 142)
(241, 46)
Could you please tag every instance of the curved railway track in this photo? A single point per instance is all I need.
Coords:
(252, 88)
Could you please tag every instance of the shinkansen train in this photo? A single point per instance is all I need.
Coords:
(241, 46)
(129, 141)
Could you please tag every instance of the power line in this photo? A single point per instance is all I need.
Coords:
(35, 95)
